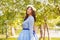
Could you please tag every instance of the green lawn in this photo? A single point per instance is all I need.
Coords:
(55, 39)
(8, 39)
(16, 39)
(52, 39)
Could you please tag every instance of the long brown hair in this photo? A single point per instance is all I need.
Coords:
(33, 14)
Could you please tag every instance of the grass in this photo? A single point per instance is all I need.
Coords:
(52, 39)
(8, 39)
(55, 39)
(16, 39)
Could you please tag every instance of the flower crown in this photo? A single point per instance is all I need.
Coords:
(31, 7)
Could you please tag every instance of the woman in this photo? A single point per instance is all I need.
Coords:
(28, 33)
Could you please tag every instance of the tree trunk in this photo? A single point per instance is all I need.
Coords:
(40, 32)
(46, 28)
(13, 31)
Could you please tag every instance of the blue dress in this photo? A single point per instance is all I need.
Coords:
(27, 32)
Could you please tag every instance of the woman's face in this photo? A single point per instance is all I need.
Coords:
(29, 11)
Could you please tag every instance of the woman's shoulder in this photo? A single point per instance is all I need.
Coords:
(31, 18)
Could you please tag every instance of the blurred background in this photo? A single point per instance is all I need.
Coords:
(12, 13)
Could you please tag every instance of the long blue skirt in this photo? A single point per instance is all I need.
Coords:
(24, 35)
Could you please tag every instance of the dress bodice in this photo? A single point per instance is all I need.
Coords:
(27, 33)
(26, 22)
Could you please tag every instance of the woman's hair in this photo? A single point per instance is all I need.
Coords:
(33, 14)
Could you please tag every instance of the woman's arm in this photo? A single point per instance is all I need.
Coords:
(31, 24)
